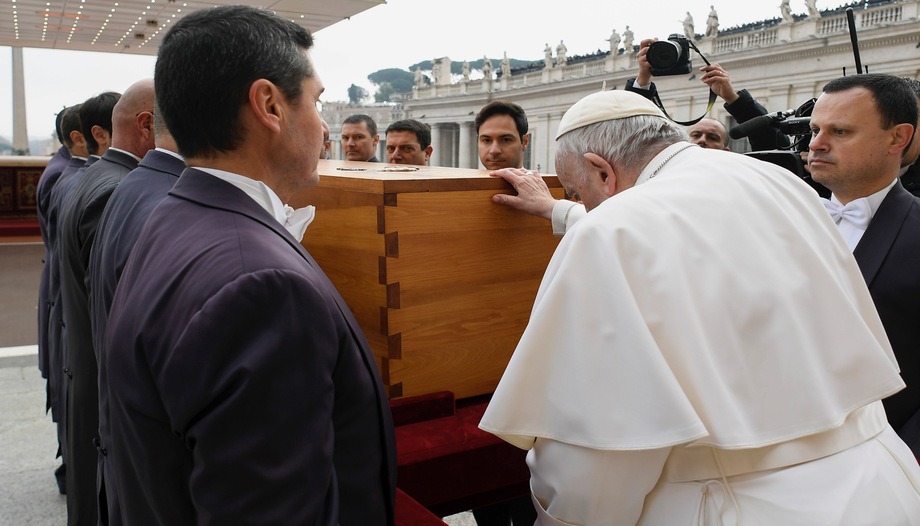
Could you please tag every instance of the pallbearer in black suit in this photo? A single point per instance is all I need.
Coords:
(132, 137)
(46, 182)
(241, 389)
(861, 126)
(124, 216)
(57, 377)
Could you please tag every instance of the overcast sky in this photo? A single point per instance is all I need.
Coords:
(394, 35)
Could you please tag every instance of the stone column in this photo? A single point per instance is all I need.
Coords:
(466, 152)
(20, 131)
(436, 145)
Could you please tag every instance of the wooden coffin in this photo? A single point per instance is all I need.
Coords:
(441, 280)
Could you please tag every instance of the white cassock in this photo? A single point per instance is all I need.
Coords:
(703, 348)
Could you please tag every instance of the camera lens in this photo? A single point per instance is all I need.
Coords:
(663, 54)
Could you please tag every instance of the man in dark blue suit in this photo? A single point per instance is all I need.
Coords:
(46, 182)
(241, 388)
(57, 378)
(131, 138)
(861, 126)
(124, 216)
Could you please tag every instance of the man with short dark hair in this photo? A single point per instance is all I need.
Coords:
(96, 121)
(360, 138)
(861, 126)
(241, 388)
(408, 142)
(46, 182)
(57, 376)
(501, 130)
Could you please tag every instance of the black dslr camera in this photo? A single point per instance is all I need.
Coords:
(670, 57)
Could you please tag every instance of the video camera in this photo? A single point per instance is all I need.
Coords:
(794, 123)
(670, 57)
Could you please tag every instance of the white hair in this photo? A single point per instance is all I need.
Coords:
(630, 142)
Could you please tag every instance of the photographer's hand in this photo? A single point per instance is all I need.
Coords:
(644, 78)
(719, 82)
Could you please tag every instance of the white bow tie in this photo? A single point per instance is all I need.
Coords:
(855, 212)
(297, 221)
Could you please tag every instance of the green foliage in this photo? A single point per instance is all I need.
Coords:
(384, 91)
(356, 94)
(391, 75)
(390, 81)
(456, 66)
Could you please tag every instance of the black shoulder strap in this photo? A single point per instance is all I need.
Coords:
(712, 97)
(712, 100)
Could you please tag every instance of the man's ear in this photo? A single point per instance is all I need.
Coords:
(77, 139)
(525, 140)
(600, 172)
(144, 122)
(428, 151)
(101, 135)
(265, 102)
(901, 135)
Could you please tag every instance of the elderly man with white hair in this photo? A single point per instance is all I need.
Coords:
(703, 348)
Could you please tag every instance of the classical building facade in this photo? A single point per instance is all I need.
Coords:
(782, 62)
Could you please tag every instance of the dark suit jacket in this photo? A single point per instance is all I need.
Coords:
(889, 258)
(46, 182)
(241, 388)
(57, 375)
(78, 224)
(911, 179)
(124, 216)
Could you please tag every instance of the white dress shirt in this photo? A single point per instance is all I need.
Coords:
(294, 221)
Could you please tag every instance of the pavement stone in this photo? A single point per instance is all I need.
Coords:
(27, 451)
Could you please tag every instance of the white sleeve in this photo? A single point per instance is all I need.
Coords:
(565, 214)
(573, 485)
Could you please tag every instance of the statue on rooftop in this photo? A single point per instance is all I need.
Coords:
(688, 26)
(712, 23)
(812, 6)
(486, 67)
(628, 41)
(614, 42)
(786, 11)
